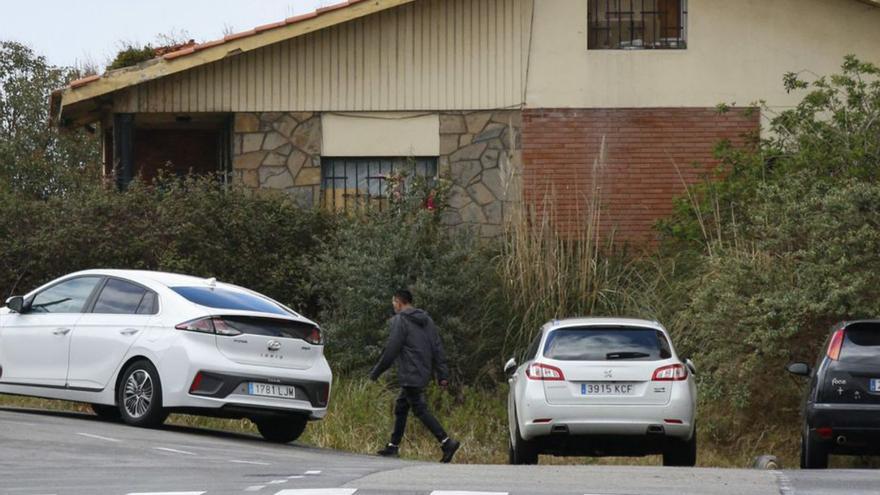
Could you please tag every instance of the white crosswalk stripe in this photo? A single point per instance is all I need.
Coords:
(319, 491)
(447, 492)
(168, 493)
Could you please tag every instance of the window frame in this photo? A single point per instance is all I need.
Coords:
(363, 200)
(594, 21)
(103, 284)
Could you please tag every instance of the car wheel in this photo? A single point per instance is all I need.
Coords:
(681, 453)
(105, 412)
(140, 395)
(521, 451)
(814, 454)
(281, 430)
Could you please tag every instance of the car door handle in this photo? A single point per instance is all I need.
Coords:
(61, 331)
(129, 331)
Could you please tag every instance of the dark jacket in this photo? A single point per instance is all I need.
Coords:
(415, 344)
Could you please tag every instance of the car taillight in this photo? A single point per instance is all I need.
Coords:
(671, 373)
(202, 325)
(835, 345)
(223, 328)
(208, 325)
(314, 337)
(538, 371)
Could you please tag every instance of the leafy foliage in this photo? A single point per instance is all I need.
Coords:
(786, 244)
(193, 227)
(36, 158)
(131, 55)
(451, 275)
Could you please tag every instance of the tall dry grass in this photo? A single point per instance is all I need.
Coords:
(554, 270)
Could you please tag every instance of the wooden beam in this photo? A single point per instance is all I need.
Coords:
(161, 67)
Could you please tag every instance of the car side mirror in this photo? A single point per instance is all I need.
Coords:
(15, 304)
(800, 369)
(691, 366)
(510, 366)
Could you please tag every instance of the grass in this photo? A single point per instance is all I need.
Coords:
(360, 417)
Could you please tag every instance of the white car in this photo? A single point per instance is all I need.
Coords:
(138, 345)
(602, 387)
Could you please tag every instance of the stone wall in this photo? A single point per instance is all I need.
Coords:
(279, 151)
(481, 153)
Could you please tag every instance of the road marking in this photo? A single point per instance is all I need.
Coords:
(276, 482)
(174, 451)
(98, 437)
(313, 472)
(168, 493)
(295, 477)
(254, 488)
(256, 463)
(319, 491)
(443, 492)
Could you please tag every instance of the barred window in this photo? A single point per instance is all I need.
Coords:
(637, 24)
(352, 183)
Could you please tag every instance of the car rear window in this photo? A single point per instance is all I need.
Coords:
(607, 344)
(228, 299)
(861, 344)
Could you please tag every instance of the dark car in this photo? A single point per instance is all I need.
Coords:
(842, 408)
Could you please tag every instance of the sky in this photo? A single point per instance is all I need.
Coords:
(72, 32)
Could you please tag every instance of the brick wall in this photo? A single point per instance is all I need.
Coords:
(646, 149)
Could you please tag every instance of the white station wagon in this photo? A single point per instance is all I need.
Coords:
(602, 387)
(138, 345)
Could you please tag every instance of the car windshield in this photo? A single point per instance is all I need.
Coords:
(861, 344)
(607, 344)
(214, 297)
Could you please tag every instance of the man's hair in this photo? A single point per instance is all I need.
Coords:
(404, 296)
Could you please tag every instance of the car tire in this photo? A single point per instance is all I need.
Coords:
(139, 395)
(521, 451)
(814, 454)
(681, 453)
(107, 413)
(281, 430)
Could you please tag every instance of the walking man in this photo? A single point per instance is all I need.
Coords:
(415, 345)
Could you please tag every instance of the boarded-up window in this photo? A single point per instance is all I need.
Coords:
(354, 183)
(637, 24)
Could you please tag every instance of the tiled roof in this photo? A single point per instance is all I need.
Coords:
(191, 48)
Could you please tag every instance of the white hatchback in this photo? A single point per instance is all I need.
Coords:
(602, 387)
(138, 345)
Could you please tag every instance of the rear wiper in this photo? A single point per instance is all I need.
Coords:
(626, 355)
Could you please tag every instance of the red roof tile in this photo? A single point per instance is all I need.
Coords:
(84, 81)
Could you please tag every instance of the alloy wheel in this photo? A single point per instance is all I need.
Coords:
(138, 393)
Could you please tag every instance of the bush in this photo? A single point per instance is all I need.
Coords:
(785, 245)
(195, 227)
(451, 274)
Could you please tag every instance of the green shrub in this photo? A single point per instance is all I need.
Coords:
(778, 250)
(451, 274)
(195, 226)
(131, 55)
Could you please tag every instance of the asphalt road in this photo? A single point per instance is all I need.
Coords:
(72, 454)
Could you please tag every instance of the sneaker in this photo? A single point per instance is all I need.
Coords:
(390, 450)
(449, 448)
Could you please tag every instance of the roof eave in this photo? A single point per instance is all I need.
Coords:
(233, 45)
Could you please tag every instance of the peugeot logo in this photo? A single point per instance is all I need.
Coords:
(608, 373)
(274, 345)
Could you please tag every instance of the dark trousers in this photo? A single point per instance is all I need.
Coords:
(414, 398)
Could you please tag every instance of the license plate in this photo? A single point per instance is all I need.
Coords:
(268, 390)
(607, 388)
(875, 385)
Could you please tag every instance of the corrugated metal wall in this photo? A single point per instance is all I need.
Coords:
(427, 55)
